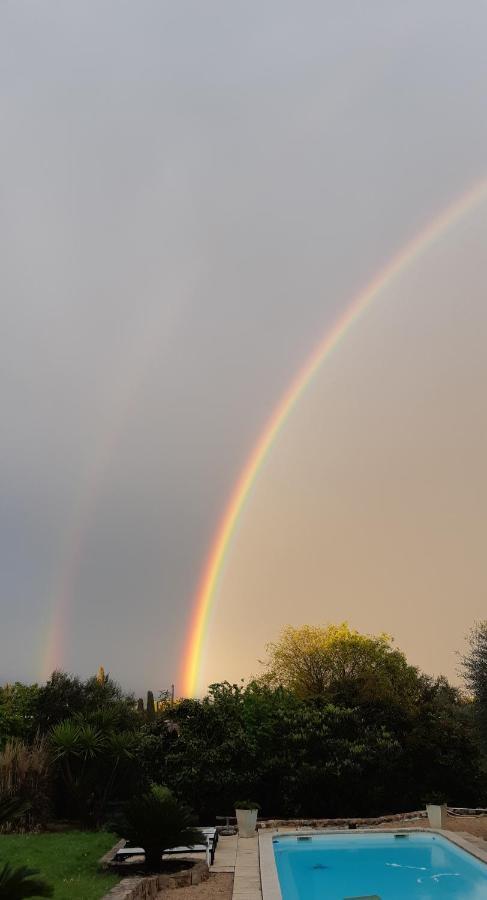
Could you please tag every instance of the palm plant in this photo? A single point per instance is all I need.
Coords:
(93, 759)
(157, 821)
(16, 884)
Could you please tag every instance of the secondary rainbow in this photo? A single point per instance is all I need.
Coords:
(212, 569)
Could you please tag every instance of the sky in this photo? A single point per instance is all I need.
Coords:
(191, 193)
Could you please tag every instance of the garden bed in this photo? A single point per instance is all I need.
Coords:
(142, 885)
(68, 860)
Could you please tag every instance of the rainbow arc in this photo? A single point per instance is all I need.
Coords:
(210, 578)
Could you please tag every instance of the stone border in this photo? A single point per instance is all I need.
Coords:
(145, 887)
(271, 889)
(339, 823)
(107, 859)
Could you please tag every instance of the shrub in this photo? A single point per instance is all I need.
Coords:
(25, 773)
(156, 821)
(246, 804)
(95, 762)
(16, 884)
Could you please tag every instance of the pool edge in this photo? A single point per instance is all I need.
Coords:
(271, 889)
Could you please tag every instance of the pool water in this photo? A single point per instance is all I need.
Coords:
(419, 866)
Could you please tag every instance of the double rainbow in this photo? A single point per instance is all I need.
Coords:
(434, 230)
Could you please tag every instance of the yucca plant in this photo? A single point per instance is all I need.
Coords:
(157, 821)
(16, 884)
(94, 760)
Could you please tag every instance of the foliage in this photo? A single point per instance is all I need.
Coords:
(474, 666)
(340, 664)
(25, 774)
(308, 757)
(68, 860)
(150, 709)
(11, 808)
(15, 884)
(94, 759)
(156, 821)
(435, 798)
(246, 804)
(18, 711)
(64, 696)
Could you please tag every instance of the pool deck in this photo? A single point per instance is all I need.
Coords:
(251, 860)
(240, 856)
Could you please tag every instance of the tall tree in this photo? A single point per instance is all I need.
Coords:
(340, 664)
(151, 708)
(474, 666)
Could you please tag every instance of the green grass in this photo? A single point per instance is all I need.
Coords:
(68, 860)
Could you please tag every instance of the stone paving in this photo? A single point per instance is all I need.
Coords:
(240, 856)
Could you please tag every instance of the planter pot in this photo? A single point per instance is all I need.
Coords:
(436, 815)
(246, 821)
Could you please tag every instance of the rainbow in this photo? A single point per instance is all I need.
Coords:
(206, 591)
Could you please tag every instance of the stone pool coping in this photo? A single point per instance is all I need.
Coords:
(268, 871)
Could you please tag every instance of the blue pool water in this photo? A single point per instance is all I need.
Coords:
(419, 866)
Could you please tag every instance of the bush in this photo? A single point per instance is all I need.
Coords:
(156, 821)
(95, 762)
(17, 884)
(246, 804)
(25, 773)
(310, 758)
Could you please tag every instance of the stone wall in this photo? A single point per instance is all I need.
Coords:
(145, 888)
(339, 823)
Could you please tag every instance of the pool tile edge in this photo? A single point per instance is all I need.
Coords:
(268, 872)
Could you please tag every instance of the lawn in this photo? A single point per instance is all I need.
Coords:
(67, 860)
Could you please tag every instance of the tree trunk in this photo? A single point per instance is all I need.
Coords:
(153, 858)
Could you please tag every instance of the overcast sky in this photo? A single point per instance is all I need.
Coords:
(190, 194)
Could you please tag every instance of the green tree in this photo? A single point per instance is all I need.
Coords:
(342, 665)
(474, 666)
(96, 762)
(62, 696)
(151, 709)
(18, 711)
(310, 757)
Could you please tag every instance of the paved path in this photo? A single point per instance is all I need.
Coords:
(240, 856)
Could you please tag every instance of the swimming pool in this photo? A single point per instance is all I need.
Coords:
(413, 866)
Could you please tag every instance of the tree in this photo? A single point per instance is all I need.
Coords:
(342, 665)
(311, 757)
(474, 666)
(151, 709)
(62, 696)
(96, 762)
(18, 711)
(156, 821)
